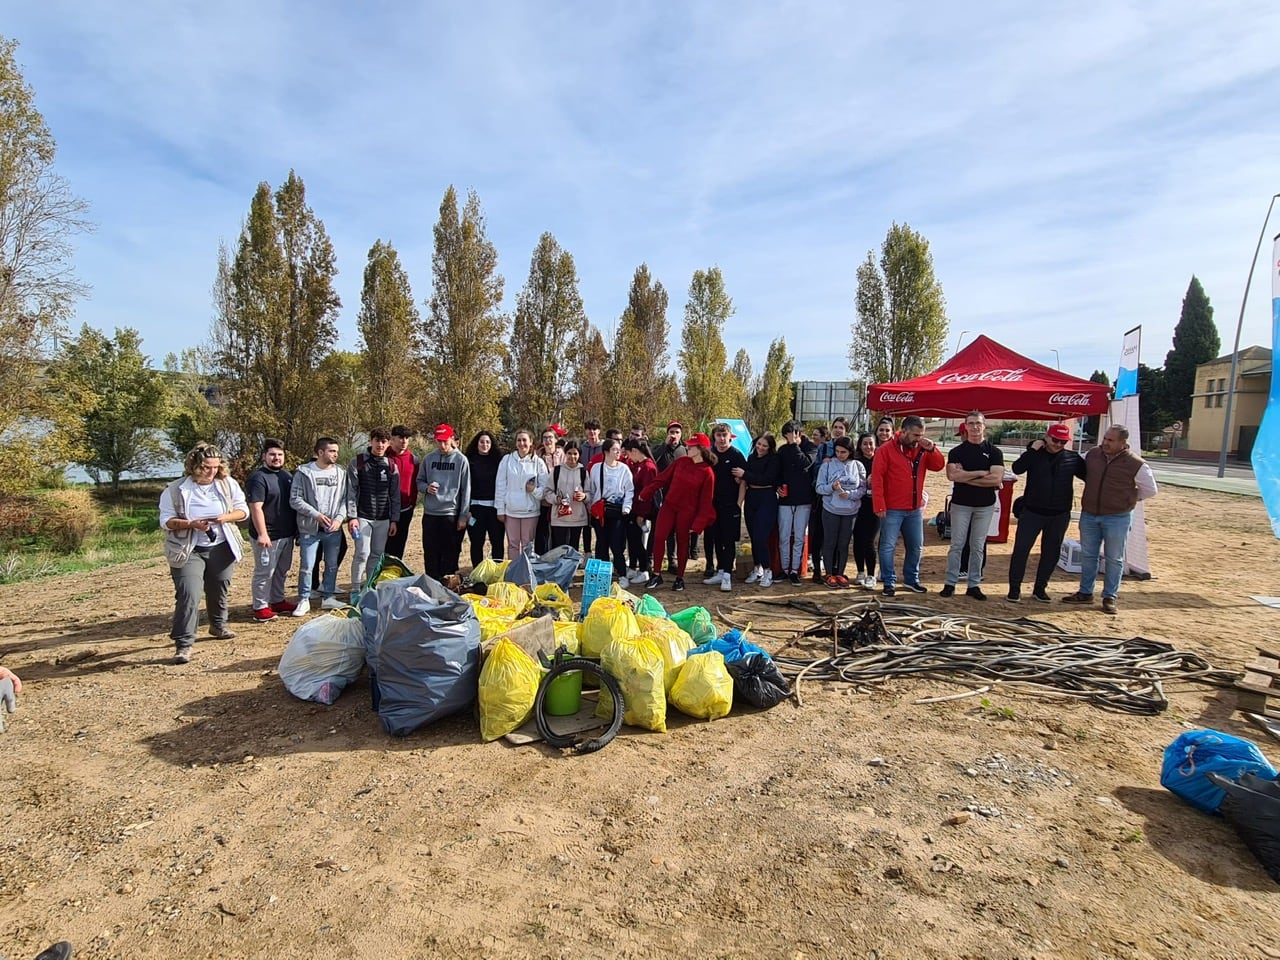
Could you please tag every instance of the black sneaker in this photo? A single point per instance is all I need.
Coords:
(59, 951)
(818, 577)
(948, 590)
(678, 584)
(1041, 596)
(794, 578)
(917, 587)
(1078, 597)
(654, 582)
(1015, 596)
(889, 591)
(975, 593)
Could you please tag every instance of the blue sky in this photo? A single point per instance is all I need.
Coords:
(1072, 165)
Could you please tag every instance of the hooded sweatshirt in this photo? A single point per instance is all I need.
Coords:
(512, 497)
(315, 492)
(853, 481)
(451, 472)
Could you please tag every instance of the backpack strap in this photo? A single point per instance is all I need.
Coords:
(555, 479)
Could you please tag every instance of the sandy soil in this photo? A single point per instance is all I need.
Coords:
(158, 811)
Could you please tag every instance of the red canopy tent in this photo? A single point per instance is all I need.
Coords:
(992, 378)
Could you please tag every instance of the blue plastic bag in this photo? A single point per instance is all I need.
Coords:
(1193, 756)
(732, 645)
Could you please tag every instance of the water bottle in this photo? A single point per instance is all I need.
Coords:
(355, 534)
(265, 556)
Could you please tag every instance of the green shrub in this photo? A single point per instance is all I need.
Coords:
(67, 518)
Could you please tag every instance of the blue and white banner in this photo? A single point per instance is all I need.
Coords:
(1127, 378)
(1266, 446)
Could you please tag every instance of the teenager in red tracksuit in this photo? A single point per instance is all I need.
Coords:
(688, 486)
(407, 466)
(897, 496)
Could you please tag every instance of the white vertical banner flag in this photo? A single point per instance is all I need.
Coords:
(1124, 412)
(1266, 447)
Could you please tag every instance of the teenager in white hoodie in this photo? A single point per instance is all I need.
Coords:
(522, 482)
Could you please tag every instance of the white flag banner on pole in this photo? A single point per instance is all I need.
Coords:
(1266, 446)
(1124, 412)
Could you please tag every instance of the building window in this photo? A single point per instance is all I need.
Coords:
(1208, 401)
(1217, 400)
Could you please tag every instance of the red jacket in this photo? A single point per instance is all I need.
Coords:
(689, 486)
(893, 486)
(407, 464)
(642, 474)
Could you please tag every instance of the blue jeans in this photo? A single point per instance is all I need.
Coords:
(308, 545)
(1108, 532)
(909, 523)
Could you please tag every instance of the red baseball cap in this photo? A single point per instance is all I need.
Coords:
(699, 440)
(444, 432)
(1060, 431)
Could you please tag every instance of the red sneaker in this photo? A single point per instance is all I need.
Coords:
(844, 581)
(284, 606)
(264, 613)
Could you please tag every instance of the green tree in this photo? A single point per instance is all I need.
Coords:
(744, 382)
(121, 403)
(1091, 424)
(771, 404)
(340, 387)
(1195, 341)
(590, 396)
(276, 319)
(547, 338)
(901, 325)
(1151, 392)
(192, 417)
(708, 384)
(641, 385)
(390, 342)
(39, 216)
(466, 333)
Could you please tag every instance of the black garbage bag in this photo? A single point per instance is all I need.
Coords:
(426, 654)
(758, 681)
(1252, 807)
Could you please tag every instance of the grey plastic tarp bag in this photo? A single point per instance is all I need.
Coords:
(426, 653)
(322, 658)
(368, 606)
(555, 566)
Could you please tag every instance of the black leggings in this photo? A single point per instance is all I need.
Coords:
(568, 536)
(722, 537)
(612, 539)
(486, 524)
(865, 529)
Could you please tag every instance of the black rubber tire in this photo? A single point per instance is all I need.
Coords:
(571, 742)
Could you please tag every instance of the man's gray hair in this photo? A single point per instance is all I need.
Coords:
(1123, 431)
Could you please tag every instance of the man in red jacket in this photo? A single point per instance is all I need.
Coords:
(407, 466)
(897, 496)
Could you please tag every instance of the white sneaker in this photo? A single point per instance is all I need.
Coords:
(726, 583)
(302, 609)
(754, 575)
(870, 581)
(625, 582)
(633, 575)
(714, 579)
(331, 603)
(766, 579)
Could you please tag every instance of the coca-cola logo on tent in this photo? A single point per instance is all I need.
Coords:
(990, 376)
(1069, 399)
(905, 397)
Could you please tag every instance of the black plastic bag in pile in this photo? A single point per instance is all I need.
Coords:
(1252, 807)
(758, 681)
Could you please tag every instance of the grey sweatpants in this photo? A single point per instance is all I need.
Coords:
(269, 578)
(207, 572)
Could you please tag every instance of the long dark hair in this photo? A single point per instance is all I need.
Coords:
(473, 448)
(769, 439)
(637, 444)
(859, 455)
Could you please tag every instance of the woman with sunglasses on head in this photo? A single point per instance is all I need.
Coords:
(198, 513)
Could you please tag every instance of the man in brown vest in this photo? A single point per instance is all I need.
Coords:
(1115, 480)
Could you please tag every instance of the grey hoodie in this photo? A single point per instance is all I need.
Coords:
(317, 492)
(452, 473)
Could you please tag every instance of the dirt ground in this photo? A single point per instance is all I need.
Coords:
(199, 811)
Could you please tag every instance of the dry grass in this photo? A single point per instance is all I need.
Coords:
(67, 518)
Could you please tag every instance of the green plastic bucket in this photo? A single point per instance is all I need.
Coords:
(564, 694)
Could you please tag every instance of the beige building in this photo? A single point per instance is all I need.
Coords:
(1203, 436)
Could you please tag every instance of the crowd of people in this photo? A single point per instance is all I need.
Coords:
(819, 501)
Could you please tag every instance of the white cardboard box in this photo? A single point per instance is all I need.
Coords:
(1069, 556)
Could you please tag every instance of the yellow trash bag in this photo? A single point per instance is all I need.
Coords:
(608, 619)
(553, 597)
(569, 635)
(495, 618)
(511, 595)
(489, 571)
(704, 688)
(638, 667)
(508, 686)
(624, 595)
(672, 642)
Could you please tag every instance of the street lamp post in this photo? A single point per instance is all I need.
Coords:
(1235, 350)
(959, 340)
(1057, 359)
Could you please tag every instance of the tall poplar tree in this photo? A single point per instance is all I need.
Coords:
(390, 342)
(771, 405)
(901, 326)
(276, 319)
(548, 337)
(641, 385)
(1195, 341)
(590, 398)
(39, 216)
(465, 334)
(703, 358)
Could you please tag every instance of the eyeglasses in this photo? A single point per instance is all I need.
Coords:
(1054, 440)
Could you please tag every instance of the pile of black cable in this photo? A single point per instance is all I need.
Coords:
(866, 631)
